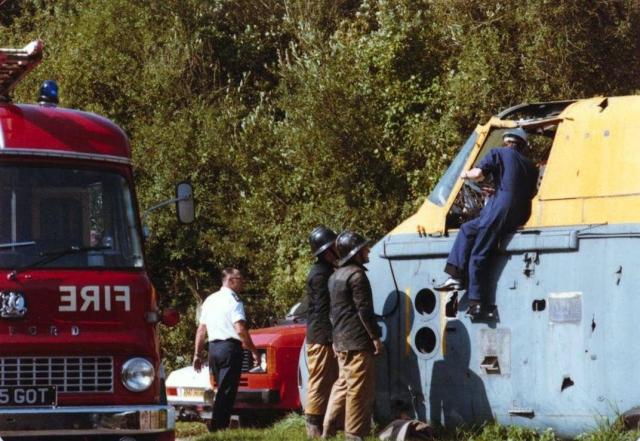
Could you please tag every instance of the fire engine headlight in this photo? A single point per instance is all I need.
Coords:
(137, 374)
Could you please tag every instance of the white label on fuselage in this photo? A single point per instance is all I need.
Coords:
(94, 298)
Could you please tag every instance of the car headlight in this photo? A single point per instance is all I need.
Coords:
(262, 367)
(137, 374)
(263, 361)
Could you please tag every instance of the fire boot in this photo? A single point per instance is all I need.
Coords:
(314, 425)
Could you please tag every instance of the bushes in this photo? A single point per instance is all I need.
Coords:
(287, 114)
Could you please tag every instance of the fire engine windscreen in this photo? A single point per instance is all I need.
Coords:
(47, 210)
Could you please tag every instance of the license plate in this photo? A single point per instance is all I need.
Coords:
(19, 396)
(192, 392)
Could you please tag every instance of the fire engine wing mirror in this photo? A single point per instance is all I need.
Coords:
(184, 203)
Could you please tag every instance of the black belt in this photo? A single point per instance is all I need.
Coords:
(229, 340)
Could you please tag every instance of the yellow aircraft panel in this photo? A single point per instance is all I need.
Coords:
(592, 174)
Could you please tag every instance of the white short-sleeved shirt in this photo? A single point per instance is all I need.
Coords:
(219, 312)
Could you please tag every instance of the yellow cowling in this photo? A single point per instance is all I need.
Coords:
(593, 172)
(592, 175)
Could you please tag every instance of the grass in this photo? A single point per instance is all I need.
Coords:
(291, 428)
(190, 430)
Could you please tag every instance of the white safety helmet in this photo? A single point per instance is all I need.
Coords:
(518, 134)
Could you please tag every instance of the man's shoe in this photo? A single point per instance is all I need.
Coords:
(210, 426)
(474, 310)
(478, 311)
(451, 284)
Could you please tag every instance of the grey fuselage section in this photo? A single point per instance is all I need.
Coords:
(558, 354)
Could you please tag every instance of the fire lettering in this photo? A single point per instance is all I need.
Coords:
(123, 296)
(90, 295)
(67, 299)
(94, 298)
(107, 298)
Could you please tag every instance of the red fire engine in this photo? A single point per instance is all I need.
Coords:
(79, 348)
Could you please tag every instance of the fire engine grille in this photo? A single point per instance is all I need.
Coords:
(69, 374)
(247, 360)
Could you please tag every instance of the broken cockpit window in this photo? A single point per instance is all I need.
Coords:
(442, 190)
(472, 196)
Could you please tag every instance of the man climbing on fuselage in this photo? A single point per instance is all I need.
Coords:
(515, 178)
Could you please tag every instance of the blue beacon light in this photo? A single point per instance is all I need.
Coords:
(48, 93)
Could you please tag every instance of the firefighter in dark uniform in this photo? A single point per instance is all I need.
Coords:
(223, 320)
(356, 339)
(323, 368)
(515, 179)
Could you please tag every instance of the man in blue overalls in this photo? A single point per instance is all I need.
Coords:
(515, 178)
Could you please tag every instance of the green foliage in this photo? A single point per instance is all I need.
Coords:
(610, 431)
(189, 430)
(285, 114)
(177, 342)
(492, 432)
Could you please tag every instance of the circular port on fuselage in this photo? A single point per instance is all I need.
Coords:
(425, 340)
(425, 302)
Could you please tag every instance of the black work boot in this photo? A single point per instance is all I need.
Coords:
(329, 431)
(478, 310)
(313, 424)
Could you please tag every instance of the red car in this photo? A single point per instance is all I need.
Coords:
(265, 390)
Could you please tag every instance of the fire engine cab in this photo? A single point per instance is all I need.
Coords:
(79, 347)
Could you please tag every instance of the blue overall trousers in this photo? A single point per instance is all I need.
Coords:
(515, 179)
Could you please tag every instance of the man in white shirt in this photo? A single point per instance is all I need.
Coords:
(223, 321)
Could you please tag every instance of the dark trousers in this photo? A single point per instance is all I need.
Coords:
(469, 257)
(225, 363)
(478, 238)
